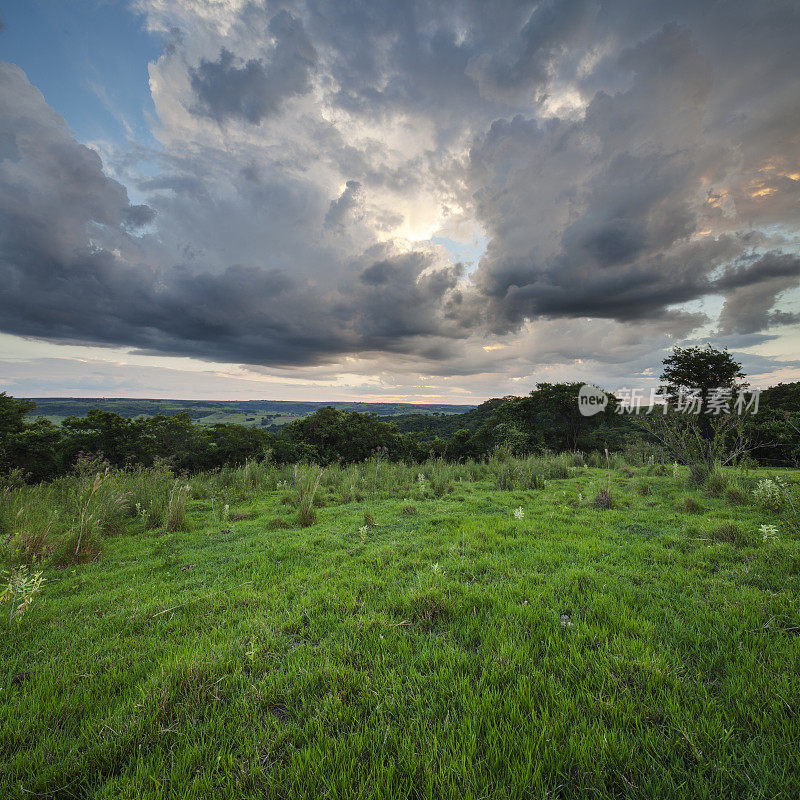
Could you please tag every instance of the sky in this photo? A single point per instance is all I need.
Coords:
(400, 201)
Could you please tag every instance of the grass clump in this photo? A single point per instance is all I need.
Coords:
(716, 483)
(603, 499)
(690, 506)
(306, 480)
(730, 534)
(176, 507)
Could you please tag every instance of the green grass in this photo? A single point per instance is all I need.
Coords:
(578, 652)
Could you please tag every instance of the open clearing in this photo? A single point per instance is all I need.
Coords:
(452, 649)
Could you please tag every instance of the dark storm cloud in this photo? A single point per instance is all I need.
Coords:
(751, 293)
(524, 65)
(258, 88)
(71, 269)
(627, 248)
(625, 158)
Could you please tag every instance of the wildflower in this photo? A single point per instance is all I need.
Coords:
(363, 531)
(675, 469)
(770, 493)
(21, 588)
(519, 513)
(436, 568)
(566, 621)
(769, 533)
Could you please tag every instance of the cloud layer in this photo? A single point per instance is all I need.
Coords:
(629, 166)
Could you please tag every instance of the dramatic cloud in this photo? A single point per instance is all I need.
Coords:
(257, 89)
(627, 171)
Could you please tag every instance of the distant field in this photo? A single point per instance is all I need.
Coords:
(215, 412)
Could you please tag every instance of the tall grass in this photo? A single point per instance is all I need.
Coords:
(67, 519)
(306, 480)
(176, 507)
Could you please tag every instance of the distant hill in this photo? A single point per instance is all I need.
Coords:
(242, 412)
(433, 424)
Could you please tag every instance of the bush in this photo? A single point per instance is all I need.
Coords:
(557, 467)
(595, 460)
(518, 474)
(149, 490)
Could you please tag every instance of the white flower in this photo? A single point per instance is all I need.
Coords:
(519, 513)
(770, 493)
(436, 568)
(769, 533)
(566, 621)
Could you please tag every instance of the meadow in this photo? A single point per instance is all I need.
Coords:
(557, 626)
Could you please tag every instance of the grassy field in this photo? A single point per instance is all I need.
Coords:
(434, 637)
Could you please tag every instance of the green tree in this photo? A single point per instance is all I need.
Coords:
(699, 370)
(13, 413)
(550, 418)
(335, 435)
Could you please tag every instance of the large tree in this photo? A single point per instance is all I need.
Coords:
(699, 370)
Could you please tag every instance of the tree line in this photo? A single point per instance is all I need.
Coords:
(548, 418)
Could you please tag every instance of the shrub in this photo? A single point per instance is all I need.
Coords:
(441, 477)
(28, 524)
(149, 490)
(515, 474)
(657, 469)
(595, 459)
(557, 467)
